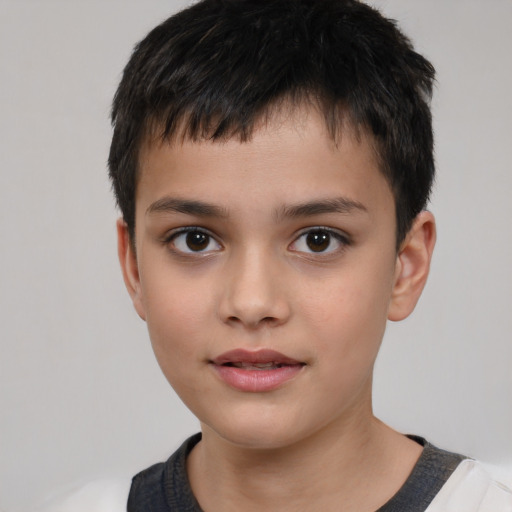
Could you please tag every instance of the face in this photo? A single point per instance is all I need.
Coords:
(265, 271)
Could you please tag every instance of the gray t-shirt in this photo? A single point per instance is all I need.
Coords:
(165, 487)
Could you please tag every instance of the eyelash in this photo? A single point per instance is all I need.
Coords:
(171, 238)
(341, 239)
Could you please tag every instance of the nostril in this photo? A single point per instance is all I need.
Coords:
(257, 322)
(254, 302)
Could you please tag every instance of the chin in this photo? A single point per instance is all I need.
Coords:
(256, 439)
(258, 431)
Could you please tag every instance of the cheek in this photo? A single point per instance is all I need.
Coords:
(175, 315)
(348, 310)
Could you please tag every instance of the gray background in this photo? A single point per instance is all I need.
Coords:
(80, 393)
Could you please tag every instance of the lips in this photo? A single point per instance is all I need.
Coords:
(255, 371)
(256, 366)
(259, 357)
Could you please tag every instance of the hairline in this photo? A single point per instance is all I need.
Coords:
(153, 131)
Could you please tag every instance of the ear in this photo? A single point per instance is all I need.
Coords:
(129, 267)
(412, 266)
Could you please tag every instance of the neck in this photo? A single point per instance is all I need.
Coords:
(329, 470)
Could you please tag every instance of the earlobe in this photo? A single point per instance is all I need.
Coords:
(129, 267)
(412, 266)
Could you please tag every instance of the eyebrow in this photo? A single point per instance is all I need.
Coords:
(186, 206)
(341, 205)
(337, 205)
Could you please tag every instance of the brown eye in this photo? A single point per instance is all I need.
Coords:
(190, 241)
(197, 241)
(318, 241)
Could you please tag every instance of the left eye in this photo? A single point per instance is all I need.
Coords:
(319, 241)
(194, 241)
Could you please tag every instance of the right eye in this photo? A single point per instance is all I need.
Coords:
(193, 240)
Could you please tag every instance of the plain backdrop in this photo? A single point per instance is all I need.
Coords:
(81, 395)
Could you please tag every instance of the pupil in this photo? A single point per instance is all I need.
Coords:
(318, 241)
(197, 241)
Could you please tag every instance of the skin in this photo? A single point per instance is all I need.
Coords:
(312, 443)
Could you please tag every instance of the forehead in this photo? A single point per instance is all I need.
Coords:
(304, 115)
(290, 157)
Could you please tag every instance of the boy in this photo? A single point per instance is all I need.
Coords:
(272, 162)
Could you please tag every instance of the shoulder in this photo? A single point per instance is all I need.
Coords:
(150, 489)
(107, 495)
(165, 485)
(473, 488)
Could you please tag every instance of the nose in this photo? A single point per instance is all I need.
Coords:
(254, 291)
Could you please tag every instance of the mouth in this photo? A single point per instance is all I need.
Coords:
(256, 371)
(272, 365)
(264, 359)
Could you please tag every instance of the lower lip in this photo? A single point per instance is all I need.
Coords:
(257, 381)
